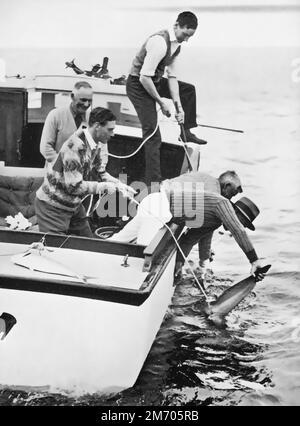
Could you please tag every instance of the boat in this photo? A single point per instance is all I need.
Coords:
(77, 313)
(28, 101)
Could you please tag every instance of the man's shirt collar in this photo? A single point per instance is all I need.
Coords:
(75, 113)
(91, 143)
(172, 34)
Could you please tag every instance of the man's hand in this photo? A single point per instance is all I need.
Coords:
(165, 109)
(255, 266)
(108, 187)
(126, 190)
(180, 116)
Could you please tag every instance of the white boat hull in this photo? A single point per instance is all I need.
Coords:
(79, 344)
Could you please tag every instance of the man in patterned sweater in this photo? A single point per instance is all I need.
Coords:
(203, 203)
(58, 202)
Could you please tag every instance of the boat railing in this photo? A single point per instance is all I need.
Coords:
(157, 245)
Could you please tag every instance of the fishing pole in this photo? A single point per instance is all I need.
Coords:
(184, 141)
(221, 128)
(90, 210)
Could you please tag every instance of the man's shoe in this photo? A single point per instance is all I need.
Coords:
(190, 137)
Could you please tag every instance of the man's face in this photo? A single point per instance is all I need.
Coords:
(183, 33)
(104, 133)
(230, 189)
(82, 99)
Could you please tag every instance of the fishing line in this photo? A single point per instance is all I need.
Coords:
(89, 211)
(146, 140)
(138, 149)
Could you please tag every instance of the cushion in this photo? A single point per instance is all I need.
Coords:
(17, 194)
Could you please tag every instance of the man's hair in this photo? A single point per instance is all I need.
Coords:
(229, 177)
(101, 115)
(231, 174)
(187, 19)
(84, 84)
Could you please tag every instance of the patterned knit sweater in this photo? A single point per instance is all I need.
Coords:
(67, 179)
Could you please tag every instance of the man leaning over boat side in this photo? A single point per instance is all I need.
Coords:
(58, 203)
(202, 203)
(228, 185)
(146, 87)
(62, 122)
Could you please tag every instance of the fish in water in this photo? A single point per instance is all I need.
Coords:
(216, 311)
(43, 263)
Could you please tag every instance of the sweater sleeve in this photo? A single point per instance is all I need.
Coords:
(100, 163)
(49, 135)
(227, 215)
(73, 169)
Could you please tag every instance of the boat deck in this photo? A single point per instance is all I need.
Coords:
(99, 268)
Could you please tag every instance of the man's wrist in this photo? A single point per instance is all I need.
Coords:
(179, 105)
(252, 256)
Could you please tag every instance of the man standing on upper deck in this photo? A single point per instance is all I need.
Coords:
(62, 122)
(146, 87)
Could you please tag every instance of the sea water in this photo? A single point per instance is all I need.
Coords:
(255, 360)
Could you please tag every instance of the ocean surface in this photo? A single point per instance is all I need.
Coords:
(256, 359)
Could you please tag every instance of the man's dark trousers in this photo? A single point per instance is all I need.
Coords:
(145, 107)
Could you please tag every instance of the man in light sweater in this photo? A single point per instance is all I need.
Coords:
(58, 203)
(203, 203)
(62, 122)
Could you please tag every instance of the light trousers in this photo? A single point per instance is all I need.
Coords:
(153, 212)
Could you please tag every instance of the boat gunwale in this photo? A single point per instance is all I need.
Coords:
(88, 290)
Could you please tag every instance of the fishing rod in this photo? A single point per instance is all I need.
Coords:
(221, 128)
(184, 141)
(90, 210)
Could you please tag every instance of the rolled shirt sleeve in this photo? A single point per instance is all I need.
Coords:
(156, 49)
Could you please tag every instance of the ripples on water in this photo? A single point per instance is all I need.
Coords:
(253, 361)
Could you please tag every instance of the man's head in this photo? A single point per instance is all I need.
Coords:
(230, 184)
(185, 26)
(102, 123)
(82, 95)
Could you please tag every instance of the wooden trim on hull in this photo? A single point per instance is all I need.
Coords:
(76, 289)
(73, 242)
(88, 290)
